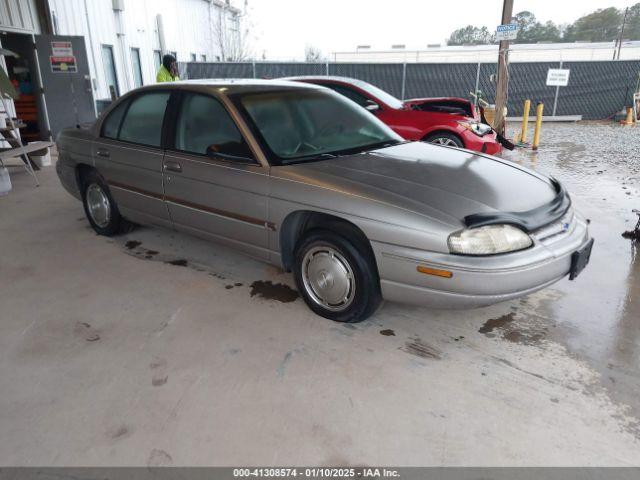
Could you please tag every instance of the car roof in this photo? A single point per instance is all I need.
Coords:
(324, 78)
(233, 85)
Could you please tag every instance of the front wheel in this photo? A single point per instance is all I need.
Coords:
(336, 279)
(445, 139)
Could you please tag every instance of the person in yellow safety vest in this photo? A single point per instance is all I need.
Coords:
(168, 70)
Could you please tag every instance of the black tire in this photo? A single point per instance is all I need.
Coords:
(114, 224)
(442, 138)
(366, 296)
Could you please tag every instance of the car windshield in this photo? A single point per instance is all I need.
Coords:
(381, 95)
(310, 124)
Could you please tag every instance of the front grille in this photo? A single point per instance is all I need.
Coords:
(556, 230)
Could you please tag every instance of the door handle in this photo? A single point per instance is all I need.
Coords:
(170, 166)
(103, 152)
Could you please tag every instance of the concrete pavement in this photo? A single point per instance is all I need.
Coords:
(156, 348)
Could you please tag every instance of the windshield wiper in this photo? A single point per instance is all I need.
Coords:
(312, 157)
(385, 144)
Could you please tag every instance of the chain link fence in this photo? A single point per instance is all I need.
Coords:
(596, 90)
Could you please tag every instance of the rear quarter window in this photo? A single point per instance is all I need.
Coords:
(111, 124)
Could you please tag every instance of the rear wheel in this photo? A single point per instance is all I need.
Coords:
(446, 139)
(336, 279)
(99, 206)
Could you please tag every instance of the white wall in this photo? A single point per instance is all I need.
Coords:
(489, 53)
(19, 16)
(189, 27)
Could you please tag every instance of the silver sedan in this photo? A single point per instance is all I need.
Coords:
(298, 176)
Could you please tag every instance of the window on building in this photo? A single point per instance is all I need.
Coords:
(194, 58)
(157, 58)
(205, 127)
(136, 66)
(143, 122)
(109, 65)
(203, 58)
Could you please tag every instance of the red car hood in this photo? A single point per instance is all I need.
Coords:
(459, 107)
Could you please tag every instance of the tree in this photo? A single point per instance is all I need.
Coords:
(532, 31)
(312, 54)
(632, 29)
(603, 25)
(470, 35)
(231, 34)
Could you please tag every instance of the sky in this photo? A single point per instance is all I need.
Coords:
(282, 28)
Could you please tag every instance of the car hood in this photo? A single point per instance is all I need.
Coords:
(444, 184)
(458, 107)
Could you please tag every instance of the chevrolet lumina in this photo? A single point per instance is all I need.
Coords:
(299, 176)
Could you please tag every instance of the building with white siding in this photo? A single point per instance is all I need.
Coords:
(121, 42)
(137, 31)
(536, 52)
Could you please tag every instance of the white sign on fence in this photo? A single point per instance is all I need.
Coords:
(507, 32)
(558, 77)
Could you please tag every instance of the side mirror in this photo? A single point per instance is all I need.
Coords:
(372, 106)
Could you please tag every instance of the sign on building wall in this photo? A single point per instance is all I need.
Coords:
(63, 64)
(507, 32)
(62, 59)
(558, 77)
(61, 49)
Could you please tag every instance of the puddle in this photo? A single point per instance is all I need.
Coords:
(494, 323)
(531, 333)
(273, 291)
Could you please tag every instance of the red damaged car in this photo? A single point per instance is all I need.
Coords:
(447, 121)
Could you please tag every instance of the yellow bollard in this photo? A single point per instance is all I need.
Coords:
(536, 133)
(525, 121)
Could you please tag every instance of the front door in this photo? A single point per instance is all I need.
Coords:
(213, 185)
(129, 155)
(66, 82)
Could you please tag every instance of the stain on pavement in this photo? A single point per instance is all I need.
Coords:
(273, 291)
(131, 244)
(494, 323)
(415, 346)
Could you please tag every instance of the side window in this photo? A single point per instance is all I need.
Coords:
(143, 121)
(204, 127)
(350, 94)
(111, 124)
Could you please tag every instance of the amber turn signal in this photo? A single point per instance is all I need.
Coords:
(435, 271)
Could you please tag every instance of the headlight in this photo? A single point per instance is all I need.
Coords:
(479, 129)
(489, 240)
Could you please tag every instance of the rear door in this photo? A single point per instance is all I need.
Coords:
(129, 154)
(214, 187)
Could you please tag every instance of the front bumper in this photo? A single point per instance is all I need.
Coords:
(478, 281)
(486, 144)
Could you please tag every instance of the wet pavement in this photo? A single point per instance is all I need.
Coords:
(598, 313)
(156, 348)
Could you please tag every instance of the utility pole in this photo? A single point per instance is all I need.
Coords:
(621, 38)
(502, 88)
